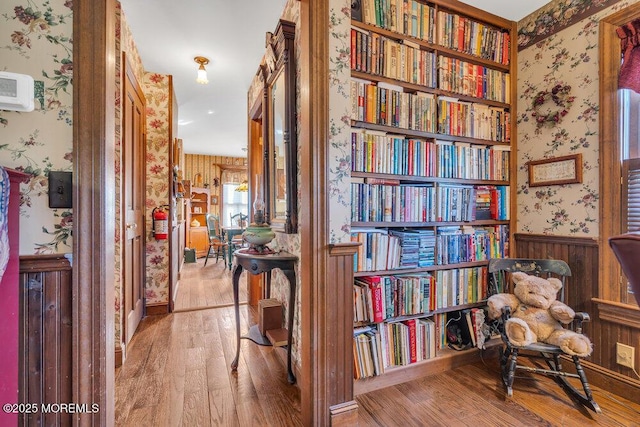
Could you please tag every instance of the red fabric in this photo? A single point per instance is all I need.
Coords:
(629, 34)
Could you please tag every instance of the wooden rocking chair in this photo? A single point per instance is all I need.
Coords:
(499, 270)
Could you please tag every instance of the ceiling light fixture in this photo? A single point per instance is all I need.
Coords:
(202, 72)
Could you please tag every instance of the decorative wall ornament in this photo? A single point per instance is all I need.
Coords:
(549, 107)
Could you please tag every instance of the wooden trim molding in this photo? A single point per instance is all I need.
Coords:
(615, 312)
(157, 309)
(93, 209)
(343, 249)
(564, 240)
(610, 223)
(609, 380)
(344, 414)
(118, 356)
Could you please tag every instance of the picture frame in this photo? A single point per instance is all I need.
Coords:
(556, 171)
(214, 200)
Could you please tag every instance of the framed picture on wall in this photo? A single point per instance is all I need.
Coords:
(214, 200)
(556, 171)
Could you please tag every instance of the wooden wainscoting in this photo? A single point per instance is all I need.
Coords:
(582, 256)
(45, 374)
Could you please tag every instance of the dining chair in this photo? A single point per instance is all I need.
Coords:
(216, 242)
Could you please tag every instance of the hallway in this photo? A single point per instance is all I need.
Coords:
(207, 286)
(177, 373)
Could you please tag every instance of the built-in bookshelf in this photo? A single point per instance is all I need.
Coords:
(432, 102)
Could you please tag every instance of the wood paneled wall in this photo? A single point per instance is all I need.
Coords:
(582, 256)
(45, 374)
(211, 167)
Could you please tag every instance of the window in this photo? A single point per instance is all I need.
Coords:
(233, 202)
(619, 157)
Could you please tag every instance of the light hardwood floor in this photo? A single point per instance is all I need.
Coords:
(207, 286)
(177, 373)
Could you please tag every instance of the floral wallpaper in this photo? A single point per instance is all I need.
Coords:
(568, 57)
(35, 39)
(556, 16)
(157, 88)
(339, 121)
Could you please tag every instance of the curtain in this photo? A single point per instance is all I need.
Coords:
(629, 77)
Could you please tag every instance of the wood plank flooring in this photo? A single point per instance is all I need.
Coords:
(203, 286)
(177, 374)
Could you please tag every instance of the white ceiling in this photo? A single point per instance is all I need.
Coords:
(231, 33)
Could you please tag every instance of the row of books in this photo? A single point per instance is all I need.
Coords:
(380, 298)
(468, 161)
(417, 247)
(456, 245)
(377, 250)
(379, 152)
(473, 120)
(465, 78)
(466, 328)
(379, 55)
(388, 105)
(382, 249)
(493, 202)
(393, 201)
(393, 344)
(459, 286)
(475, 38)
(407, 17)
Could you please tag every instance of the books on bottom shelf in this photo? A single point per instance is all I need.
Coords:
(466, 329)
(390, 344)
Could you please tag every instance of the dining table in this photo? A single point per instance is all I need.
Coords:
(228, 234)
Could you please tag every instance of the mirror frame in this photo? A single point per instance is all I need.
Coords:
(280, 59)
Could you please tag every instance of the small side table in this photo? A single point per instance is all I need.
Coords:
(256, 264)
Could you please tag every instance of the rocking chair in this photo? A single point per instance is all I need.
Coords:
(499, 270)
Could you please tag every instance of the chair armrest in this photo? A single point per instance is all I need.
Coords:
(579, 318)
(582, 316)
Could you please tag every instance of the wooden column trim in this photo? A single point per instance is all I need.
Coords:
(622, 314)
(343, 249)
(93, 209)
(609, 152)
(344, 414)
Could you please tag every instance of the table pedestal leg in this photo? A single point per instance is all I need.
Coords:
(237, 271)
(291, 276)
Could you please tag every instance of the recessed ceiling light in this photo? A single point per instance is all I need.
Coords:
(211, 112)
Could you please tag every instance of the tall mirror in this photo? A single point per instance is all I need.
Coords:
(281, 150)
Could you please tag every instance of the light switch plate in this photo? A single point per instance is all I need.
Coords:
(60, 189)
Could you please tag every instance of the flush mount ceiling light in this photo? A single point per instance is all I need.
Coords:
(202, 72)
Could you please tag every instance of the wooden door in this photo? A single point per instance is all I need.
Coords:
(133, 202)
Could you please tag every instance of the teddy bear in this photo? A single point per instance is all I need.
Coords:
(536, 315)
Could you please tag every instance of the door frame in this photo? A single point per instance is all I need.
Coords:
(141, 150)
(94, 89)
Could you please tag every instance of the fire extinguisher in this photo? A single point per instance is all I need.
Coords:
(160, 222)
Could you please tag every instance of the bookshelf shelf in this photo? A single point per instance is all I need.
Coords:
(411, 87)
(420, 134)
(430, 46)
(433, 111)
(446, 359)
(419, 270)
(408, 178)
